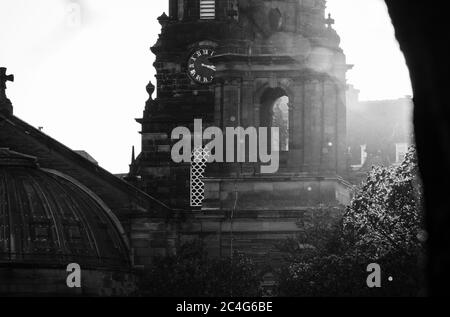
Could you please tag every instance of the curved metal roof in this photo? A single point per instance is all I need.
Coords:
(47, 218)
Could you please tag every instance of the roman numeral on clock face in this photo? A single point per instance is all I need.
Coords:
(200, 68)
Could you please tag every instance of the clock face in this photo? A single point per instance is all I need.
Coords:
(200, 68)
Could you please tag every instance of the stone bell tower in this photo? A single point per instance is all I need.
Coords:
(191, 27)
(291, 67)
(250, 63)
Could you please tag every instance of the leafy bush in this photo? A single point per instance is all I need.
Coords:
(385, 216)
(192, 273)
(382, 225)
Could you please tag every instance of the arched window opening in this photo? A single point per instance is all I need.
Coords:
(275, 113)
(280, 119)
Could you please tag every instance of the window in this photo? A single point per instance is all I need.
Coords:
(400, 152)
(280, 119)
(207, 9)
(363, 154)
(274, 113)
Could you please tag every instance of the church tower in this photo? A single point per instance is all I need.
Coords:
(249, 63)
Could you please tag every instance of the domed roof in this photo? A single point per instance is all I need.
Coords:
(47, 218)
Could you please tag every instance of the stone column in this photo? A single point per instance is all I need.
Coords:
(218, 104)
(313, 125)
(173, 9)
(341, 129)
(330, 142)
(231, 102)
(248, 114)
(297, 126)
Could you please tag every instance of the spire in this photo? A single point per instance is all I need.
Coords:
(133, 156)
(5, 103)
(132, 174)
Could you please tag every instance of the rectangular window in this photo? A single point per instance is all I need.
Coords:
(207, 9)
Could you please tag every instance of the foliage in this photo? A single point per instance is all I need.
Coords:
(192, 273)
(382, 225)
(345, 275)
(385, 215)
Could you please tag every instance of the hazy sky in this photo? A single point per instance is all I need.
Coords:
(83, 80)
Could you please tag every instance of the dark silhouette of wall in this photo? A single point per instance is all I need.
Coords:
(422, 30)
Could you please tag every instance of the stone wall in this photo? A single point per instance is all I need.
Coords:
(36, 281)
(262, 215)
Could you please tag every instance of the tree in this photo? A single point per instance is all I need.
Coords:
(382, 225)
(385, 216)
(192, 273)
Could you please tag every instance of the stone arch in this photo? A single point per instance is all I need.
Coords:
(275, 111)
(275, 19)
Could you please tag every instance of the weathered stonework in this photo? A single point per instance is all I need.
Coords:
(264, 50)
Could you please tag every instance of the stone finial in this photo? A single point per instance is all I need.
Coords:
(163, 20)
(3, 79)
(5, 103)
(150, 90)
(330, 21)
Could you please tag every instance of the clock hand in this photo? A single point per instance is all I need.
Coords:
(209, 66)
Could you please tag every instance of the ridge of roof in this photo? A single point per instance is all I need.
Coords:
(72, 155)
